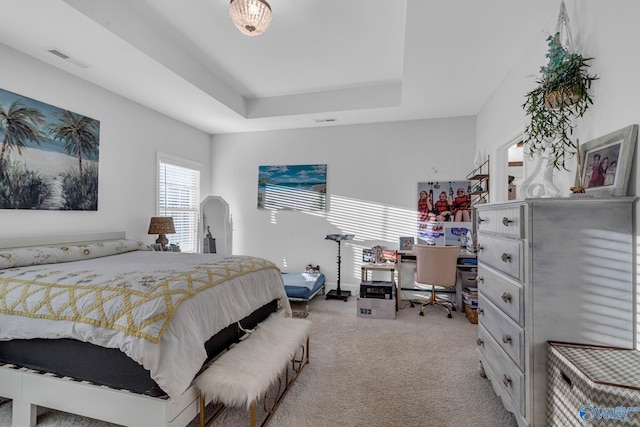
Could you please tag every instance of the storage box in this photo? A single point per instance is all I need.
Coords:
(468, 277)
(376, 308)
(592, 385)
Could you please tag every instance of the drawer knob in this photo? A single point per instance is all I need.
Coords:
(481, 220)
(506, 339)
(481, 311)
(506, 380)
(479, 279)
(506, 221)
(505, 257)
(506, 297)
(480, 342)
(480, 248)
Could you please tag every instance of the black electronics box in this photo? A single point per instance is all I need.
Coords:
(376, 289)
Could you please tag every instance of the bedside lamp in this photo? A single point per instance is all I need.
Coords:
(161, 225)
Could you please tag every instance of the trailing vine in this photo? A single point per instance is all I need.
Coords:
(561, 97)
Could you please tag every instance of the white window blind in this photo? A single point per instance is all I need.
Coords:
(178, 197)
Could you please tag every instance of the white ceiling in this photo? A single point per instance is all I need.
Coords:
(352, 61)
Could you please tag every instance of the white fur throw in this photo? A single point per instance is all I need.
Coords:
(248, 369)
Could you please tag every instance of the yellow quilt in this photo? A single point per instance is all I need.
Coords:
(136, 298)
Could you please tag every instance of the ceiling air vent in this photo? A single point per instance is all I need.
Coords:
(62, 55)
(58, 53)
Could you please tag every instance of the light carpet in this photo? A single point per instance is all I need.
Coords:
(412, 371)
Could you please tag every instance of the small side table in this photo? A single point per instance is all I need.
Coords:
(364, 275)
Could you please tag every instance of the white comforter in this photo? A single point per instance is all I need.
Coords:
(179, 354)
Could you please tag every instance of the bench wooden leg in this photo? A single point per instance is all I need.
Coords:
(254, 415)
(204, 422)
(203, 405)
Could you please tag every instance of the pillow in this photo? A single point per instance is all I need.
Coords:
(23, 257)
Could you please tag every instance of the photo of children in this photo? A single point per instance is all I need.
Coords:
(425, 205)
(461, 205)
(440, 205)
(601, 167)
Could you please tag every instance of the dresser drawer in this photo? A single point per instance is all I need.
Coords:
(508, 334)
(504, 292)
(502, 254)
(506, 220)
(501, 370)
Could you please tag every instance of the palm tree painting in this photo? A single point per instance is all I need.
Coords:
(48, 156)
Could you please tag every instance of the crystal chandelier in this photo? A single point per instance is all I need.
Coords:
(251, 17)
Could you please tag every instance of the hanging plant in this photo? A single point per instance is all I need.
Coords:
(561, 97)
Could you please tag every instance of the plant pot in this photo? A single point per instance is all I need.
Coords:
(559, 97)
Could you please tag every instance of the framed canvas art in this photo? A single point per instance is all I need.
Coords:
(48, 156)
(405, 243)
(292, 187)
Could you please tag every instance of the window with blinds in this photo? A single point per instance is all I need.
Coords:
(178, 197)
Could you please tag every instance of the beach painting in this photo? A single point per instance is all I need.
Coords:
(292, 187)
(48, 156)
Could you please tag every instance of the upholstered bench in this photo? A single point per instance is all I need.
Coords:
(243, 375)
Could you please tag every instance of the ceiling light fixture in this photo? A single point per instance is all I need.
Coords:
(251, 17)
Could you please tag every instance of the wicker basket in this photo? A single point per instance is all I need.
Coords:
(472, 314)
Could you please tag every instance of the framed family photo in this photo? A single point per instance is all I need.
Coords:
(606, 162)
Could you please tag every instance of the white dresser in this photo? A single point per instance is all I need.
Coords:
(550, 269)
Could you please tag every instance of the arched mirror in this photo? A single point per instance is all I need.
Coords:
(215, 226)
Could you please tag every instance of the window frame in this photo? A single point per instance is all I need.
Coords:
(166, 159)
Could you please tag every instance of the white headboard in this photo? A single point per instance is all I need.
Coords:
(48, 240)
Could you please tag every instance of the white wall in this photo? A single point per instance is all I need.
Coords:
(608, 32)
(130, 136)
(372, 176)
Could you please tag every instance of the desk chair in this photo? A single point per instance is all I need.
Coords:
(436, 266)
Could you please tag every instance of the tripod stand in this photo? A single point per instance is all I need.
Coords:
(338, 293)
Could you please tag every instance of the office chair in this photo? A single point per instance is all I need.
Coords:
(436, 266)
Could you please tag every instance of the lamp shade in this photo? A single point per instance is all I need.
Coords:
(251, 17)
(161, 225)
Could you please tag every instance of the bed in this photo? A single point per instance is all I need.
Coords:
(110, 330)
(303, 287)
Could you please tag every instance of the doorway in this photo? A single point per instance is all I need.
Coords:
(515, 170)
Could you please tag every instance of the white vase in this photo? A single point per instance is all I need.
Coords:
(540, 182)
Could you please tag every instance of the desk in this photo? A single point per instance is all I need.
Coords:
(364, 275)
(405, 256)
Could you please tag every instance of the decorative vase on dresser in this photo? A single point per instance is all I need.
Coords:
(550, 269)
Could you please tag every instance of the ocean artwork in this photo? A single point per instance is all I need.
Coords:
(48, 156)
(292, 187)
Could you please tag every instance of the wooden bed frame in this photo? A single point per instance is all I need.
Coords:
(29, 389)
